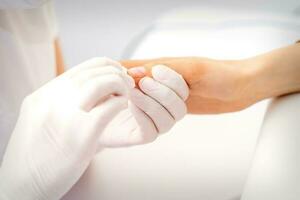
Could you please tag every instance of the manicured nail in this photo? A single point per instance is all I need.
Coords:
(137, 72)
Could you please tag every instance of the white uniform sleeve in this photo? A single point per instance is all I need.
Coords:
(52, 18)
(21, 4)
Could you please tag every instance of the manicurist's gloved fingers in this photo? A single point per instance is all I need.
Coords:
(171, 79)
(146, 132)
(164, 96)
(158, 114)
(97, 90)
(105, 111)
(130, 127)
(98, 119)
(88, 74)
(97, 73)
(93, 63)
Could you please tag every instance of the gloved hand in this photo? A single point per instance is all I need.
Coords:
(153, 108)
(58, 130)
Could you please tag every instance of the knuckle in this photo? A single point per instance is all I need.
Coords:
(106, 61)
(153, 110)
(115, 80)
(169, 94)
(168, 99)
(101, 61)
(116, 84)
(114, 69)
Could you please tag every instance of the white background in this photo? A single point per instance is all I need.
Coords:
(104, 28)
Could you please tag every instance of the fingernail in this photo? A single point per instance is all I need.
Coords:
(137, 72)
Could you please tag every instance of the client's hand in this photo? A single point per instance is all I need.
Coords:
(215, 86)
(218, 86)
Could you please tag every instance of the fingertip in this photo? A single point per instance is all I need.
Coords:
(109, 61)
(172, 79)
(130, 81)
(136, 72)
(163, 72)
(147, 83)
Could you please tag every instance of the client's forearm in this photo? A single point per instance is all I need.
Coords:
(275, 73)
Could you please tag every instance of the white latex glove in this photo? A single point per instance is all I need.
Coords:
(153, 109)
(58, 130)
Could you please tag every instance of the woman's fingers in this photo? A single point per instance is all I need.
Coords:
(142, 62)
(134, 63)
(164, 96)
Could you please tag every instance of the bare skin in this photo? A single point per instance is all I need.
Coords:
(59, 58)
(219, 86)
